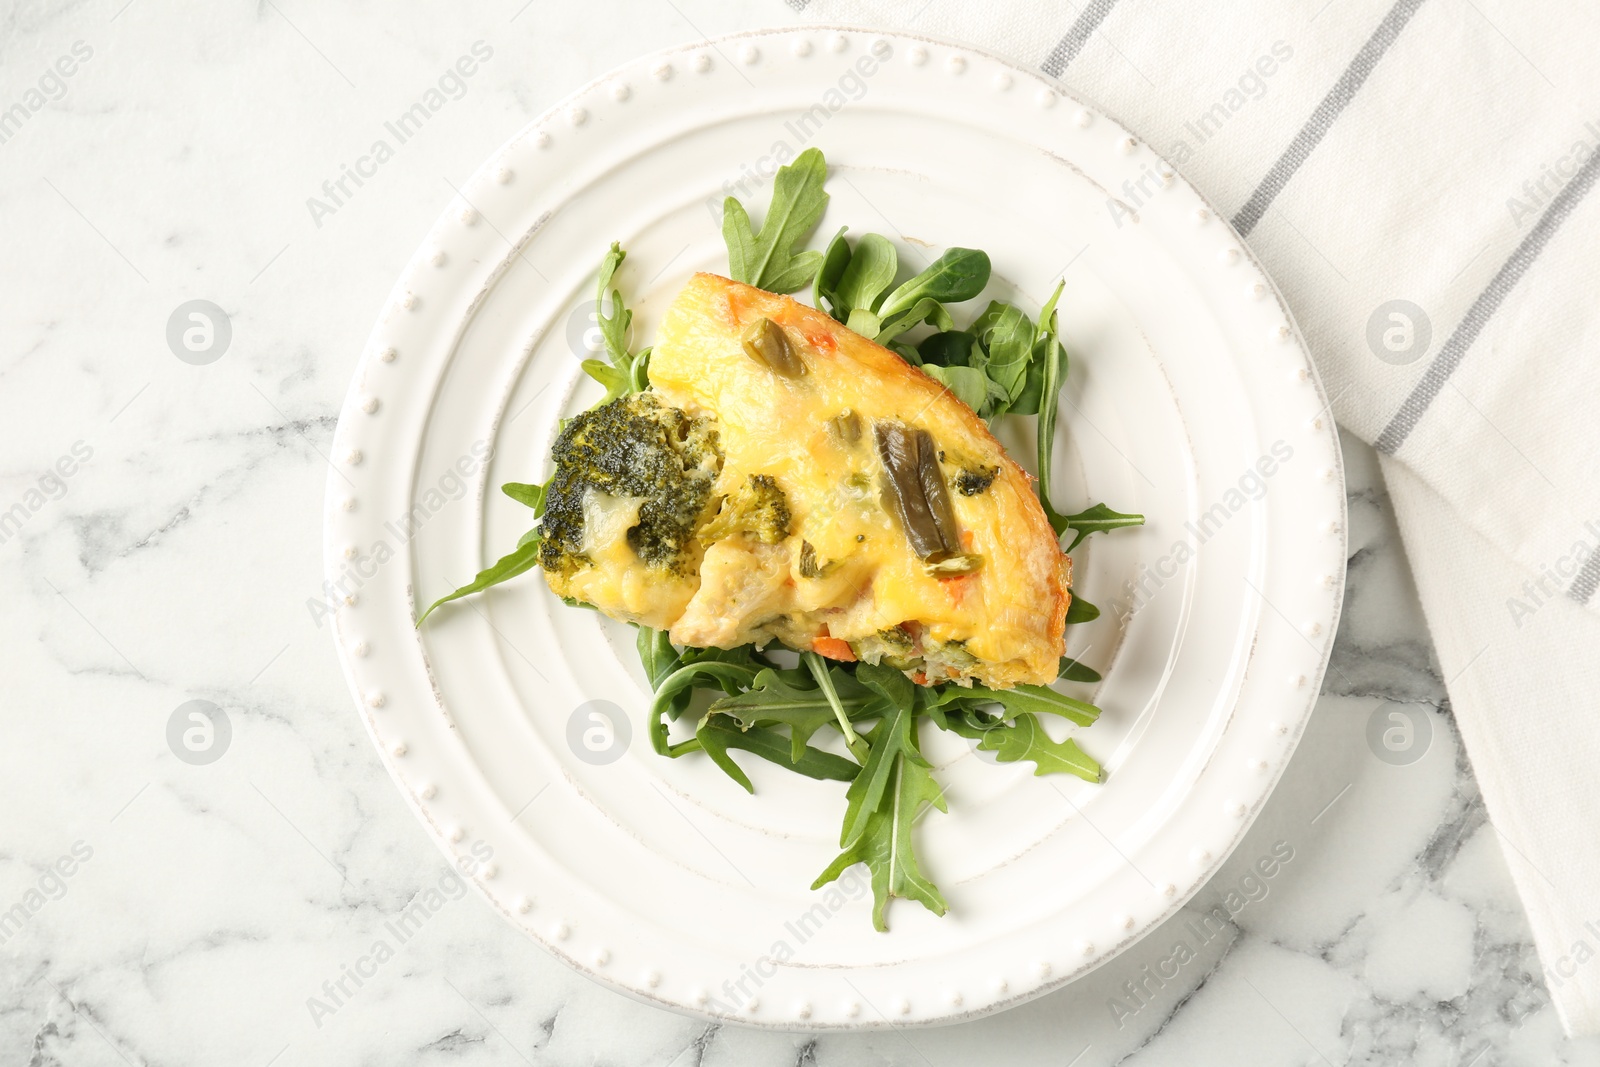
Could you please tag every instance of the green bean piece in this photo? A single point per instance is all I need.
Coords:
(768, 344)
(846, 426)
(934, 491)
(932, 532)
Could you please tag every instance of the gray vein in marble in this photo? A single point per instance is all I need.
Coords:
(1183, 1000)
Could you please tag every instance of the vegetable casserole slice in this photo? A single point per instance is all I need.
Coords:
(787, 479)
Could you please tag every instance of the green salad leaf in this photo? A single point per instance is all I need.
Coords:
(625, 372)
(523, 493)
(716, 737)
(519, 560)
(1054, 374)
(1073, 671)
(865, 322)
(1080, 610)
(1095, 519)
(884, 841)
(959, 274)
(704, 673)
(870, 273)
(831, 268)
(1025, 739)
(1007, 338)
(996, 351)
(1033, 700)
(767, 258)
(659, 659)
(781, 697)
(889, 739)
(925, 310)
(948, 348)
(970, 385)
(614, 327)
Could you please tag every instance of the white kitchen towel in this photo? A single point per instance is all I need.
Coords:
(1417, 177)
(1523, 694)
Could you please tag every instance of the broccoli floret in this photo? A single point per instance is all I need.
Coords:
(634, 446)
(892, 646)
(973, 480)
(759, 508)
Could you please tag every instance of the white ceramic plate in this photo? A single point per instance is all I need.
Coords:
(1191, 399)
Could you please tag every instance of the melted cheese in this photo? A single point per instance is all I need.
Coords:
(618, 582)
(863, 576)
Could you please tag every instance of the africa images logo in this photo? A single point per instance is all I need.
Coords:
(1140, 991)
(50, 86)
(398, 930)
(451, 85)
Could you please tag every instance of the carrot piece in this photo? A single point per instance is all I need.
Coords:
(833, 648)
(822, 342)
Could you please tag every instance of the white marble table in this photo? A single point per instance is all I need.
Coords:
(171, 554)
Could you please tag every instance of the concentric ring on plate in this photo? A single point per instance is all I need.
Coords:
(1182, 381)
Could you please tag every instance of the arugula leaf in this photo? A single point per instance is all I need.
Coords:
(892, 685)
(615, 381)
(1073, 671)
(959, 274)
(932, 698)
(1055, 372)
(1025, 739)
(989, 362)
(783, 696)
(705, 673)
(656, 654)
(890, 739)
(716, 738)
(1080, 610)
(767, 259)
(774, 697)
(884, 843)
(830, 268)
(960, 720)
(1033, 699)
(522, 558)
(614, 327)
(531, 495)
(639, 372)
(744, 655)
(869, 274)
(822, 671)
(625, 373)
(1095, 519)
(713, 741)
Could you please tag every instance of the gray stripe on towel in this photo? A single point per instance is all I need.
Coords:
(1583, 586)
(1316, 127)
(1482, 310)
(1067, 49)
